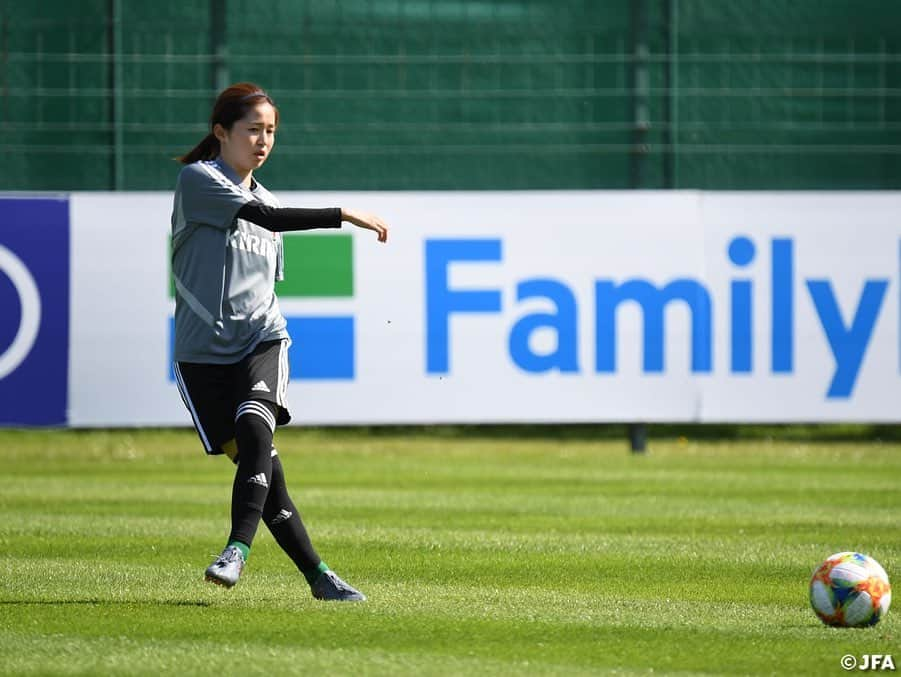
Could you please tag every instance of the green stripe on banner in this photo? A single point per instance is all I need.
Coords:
(318, 265)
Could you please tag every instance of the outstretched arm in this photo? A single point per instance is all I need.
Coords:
(281, 219)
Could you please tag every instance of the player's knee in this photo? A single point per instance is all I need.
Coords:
(254, 427)
(255, 414)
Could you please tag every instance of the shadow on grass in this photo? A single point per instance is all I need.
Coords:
(101, 602)
(587, 432)
(655, 431)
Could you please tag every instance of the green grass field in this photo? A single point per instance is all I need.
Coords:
(480, 555)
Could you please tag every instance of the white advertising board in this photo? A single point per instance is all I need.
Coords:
(532, 307)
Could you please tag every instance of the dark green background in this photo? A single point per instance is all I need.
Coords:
(454, 94)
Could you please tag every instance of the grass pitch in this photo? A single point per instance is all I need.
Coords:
(482, 555)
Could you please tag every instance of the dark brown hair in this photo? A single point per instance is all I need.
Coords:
(231, 105)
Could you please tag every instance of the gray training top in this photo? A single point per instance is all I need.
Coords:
(224, 267)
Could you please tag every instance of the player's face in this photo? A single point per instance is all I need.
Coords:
(247, 145)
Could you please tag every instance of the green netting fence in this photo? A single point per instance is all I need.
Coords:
(461, 94)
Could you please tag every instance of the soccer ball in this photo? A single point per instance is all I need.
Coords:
(850, 590)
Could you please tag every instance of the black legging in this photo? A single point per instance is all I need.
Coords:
(260, 491)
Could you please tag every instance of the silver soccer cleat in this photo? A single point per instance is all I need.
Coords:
(227, 568)
(330, 587)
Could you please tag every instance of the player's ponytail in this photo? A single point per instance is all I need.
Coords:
(207, 149)
(231, 105)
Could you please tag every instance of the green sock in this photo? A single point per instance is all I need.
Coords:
(243, 547)
(312, 575)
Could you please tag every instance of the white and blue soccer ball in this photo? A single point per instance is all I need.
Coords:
(850, 590)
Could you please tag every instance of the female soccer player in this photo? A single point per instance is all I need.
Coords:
(231, 341)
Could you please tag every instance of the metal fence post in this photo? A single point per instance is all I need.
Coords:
(671, 102)
(640, 94)
(117, 101)
(218, 45)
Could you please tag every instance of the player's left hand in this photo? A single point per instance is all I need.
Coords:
(367, 221)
